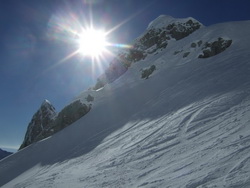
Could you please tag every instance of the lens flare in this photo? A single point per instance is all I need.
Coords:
(92, 42)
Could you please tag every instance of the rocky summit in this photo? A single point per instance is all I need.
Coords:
(46, 122)
(40, 122)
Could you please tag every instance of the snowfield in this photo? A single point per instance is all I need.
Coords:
(187, 125)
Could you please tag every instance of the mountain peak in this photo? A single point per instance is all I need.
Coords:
(46, 102)
(160, 21)
(40, 121)
(164, 20)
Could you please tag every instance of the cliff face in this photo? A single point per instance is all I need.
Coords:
(40, 121)
(47, 122)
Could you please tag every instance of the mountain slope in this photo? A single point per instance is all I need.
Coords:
(187, 125)
(4, 154)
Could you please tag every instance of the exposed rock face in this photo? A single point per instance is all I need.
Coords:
(181, 30)
(156, 37)
(116, 68)
(148, 71)
(215, 47)
(46, 122)
(4, 154)
(40, 122)
(160, 31)
(69, 115)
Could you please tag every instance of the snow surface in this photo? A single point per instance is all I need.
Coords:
(185, 126)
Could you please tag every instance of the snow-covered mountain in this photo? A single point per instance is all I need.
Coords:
(4, 154)
(178, 117)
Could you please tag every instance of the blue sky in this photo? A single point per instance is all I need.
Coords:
(32, 50)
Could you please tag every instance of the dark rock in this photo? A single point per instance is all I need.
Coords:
(180, 30)
(199, 43)
(215, 47)
(157, 38)
(89, 98)
(147, 72)
(177, 52)
(117, 67)
(45, 122)
(186, 54)
(69, 115)
(135, 55)
(193, 45)
(41, 121)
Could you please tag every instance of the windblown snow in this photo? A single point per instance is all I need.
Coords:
(187, 125)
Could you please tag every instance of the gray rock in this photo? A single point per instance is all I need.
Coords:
(148, 71)
(177, 52)
(40, 121)
(180, 30)
(186, 54)
(215, 47)
(45, 122)
(66, 117)
(193, 45)
(199, 43)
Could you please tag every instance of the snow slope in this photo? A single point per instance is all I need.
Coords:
(185, 126)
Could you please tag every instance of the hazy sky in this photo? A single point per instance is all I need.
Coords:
(35, 40)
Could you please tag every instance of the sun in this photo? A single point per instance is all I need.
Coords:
(92, 43)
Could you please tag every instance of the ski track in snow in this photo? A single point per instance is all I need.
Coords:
(189, 130)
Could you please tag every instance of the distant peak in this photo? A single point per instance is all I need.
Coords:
(47, 104)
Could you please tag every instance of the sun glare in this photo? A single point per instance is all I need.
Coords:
(92, 43)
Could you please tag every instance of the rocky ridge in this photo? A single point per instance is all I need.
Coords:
(46, 122)
(159, 34)
(40, 122)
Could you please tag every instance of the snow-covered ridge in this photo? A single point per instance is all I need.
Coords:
(184, 126)
(164, 20)
(160, 32)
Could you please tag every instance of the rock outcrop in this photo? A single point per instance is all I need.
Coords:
(160, 31)
(46, 122)
(213, 48)
(156, 37)
(40, 121)
(66, 117)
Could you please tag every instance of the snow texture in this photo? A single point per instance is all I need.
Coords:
(187, 125)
